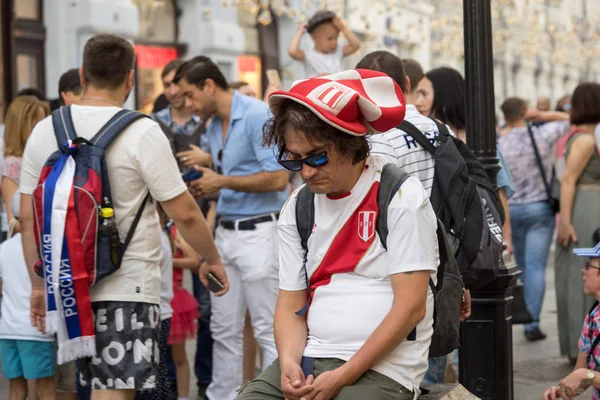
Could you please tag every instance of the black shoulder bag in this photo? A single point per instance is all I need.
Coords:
(554, 202)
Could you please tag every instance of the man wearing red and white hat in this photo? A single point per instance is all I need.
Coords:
(366, 313)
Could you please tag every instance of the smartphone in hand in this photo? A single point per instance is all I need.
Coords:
(214, 284)
(192, 175)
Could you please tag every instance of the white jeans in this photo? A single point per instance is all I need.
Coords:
(251, 262)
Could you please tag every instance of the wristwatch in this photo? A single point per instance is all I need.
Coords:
(589, 377)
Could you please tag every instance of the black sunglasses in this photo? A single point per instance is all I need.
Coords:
(589, 265)
(314, 161)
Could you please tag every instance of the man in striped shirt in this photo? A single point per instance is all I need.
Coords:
(396, 145)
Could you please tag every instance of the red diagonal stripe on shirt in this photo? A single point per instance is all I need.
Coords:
(347, 248)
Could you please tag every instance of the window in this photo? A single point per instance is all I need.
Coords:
(155, 47)
(28, 9)
(150, 63)
(158, 21)
(27, 71)
(249, 70)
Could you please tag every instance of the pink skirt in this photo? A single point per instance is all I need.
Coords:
(184, 322)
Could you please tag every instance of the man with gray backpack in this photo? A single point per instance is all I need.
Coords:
(466, 204)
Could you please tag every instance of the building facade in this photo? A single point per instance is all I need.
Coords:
(541, 47)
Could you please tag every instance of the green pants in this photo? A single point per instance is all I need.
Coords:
(372, 385)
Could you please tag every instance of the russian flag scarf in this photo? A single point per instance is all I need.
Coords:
(68, 306)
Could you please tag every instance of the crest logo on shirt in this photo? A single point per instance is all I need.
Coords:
(366, 225)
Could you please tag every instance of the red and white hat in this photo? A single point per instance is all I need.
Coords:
(357, 101)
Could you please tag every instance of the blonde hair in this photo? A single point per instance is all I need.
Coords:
(21, 117)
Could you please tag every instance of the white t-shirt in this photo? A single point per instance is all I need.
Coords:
(401, 149)
(166, 277)
(316, 63)
(348, 308)
(16, 292)
(138, 160)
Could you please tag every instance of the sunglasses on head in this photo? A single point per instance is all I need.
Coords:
(589, 265)
(315, 161)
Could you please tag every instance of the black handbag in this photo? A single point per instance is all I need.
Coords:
(552, 200)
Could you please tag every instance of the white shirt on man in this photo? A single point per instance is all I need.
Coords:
(138, 161)
(346, 309)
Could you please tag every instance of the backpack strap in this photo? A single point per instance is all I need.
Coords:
(416, 134)
(165, 128)
(442, 128)
(305, 215)
(135, 222)
(63, 125)
(199, 132)
(115, 126)
(305, 219)
(392, 177)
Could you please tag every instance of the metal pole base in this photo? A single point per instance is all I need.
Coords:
(486, 360)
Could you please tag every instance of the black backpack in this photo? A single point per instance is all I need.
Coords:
(467, 203)
(448, 292)
(180, 142)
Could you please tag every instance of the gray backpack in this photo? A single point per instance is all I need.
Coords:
(449, 290)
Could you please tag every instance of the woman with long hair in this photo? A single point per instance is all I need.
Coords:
(22, 115)
(579, 213)
(441, 95)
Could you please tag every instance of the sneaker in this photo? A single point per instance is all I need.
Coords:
(535, 335)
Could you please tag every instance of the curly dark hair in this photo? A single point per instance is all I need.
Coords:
(290, 116)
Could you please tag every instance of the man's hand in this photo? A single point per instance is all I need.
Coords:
(210, 183)
(38, 309)
(294, 385)
(465, 306)
(327, 385)
(195, 156)
(217, 270)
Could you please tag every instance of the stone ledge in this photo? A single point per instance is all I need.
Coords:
(447, 392)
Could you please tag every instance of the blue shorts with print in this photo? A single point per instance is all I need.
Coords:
(27, 358)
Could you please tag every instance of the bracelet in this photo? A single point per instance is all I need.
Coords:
(590, 377)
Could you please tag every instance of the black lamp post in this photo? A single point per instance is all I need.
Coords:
(486, 363)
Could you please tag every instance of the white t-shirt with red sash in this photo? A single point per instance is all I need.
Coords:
(349, 269)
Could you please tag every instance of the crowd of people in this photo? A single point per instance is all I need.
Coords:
(211, 182)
